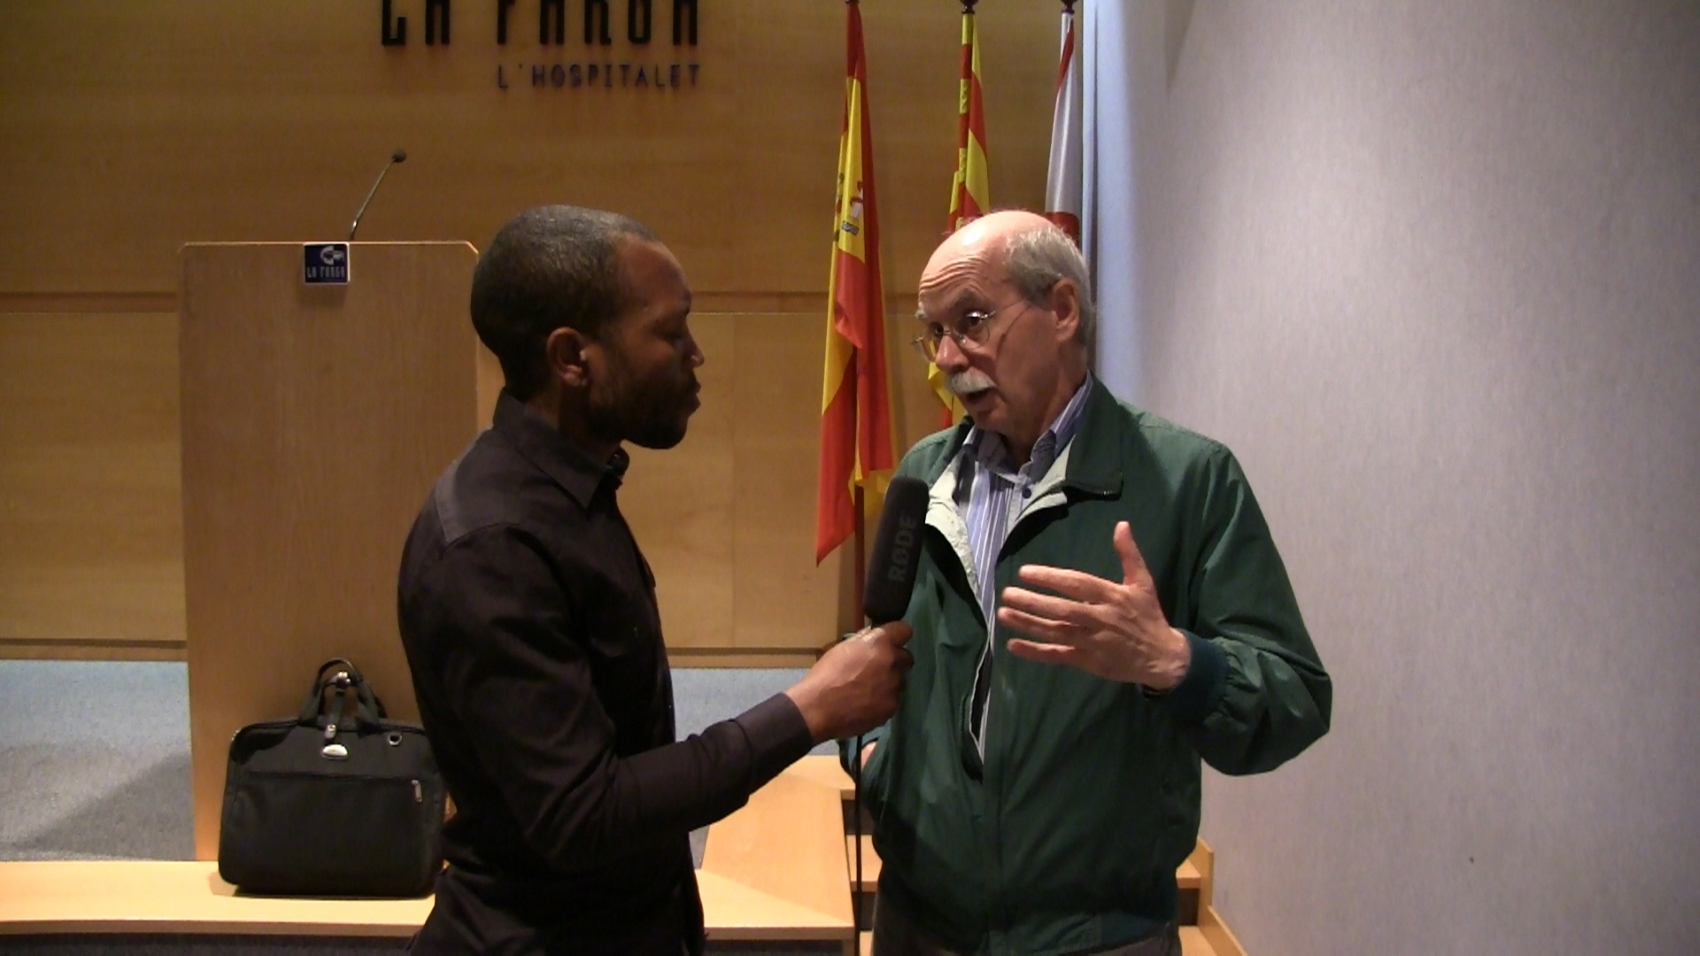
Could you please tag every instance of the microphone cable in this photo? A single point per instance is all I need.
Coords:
(856, 830)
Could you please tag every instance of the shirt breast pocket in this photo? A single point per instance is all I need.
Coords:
(623, 642)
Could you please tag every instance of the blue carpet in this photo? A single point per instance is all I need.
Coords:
(94, 756)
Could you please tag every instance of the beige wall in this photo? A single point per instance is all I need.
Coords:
(1432, 269)
(129, 129)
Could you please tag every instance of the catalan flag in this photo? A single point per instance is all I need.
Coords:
(970, 193)
(970, 197)
(1062, 184)
(855, 425)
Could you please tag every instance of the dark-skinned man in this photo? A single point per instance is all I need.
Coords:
(1039, 784)
(530, 623)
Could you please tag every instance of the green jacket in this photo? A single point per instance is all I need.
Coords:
(1066, 837)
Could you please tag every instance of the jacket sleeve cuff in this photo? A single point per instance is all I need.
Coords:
(1201, 689)
(778, 736)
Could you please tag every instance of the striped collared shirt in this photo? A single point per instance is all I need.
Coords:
(991, 491)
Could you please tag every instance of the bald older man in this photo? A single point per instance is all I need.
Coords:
(1036, 793)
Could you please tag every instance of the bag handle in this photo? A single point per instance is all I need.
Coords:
(340, 676)
(314, 704)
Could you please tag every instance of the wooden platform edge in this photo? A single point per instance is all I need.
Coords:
(1190, 875)
(1202, 863)
(159, 897)
(1222, 940)
(187, 897)
(746, 914)
(147, 897)
(786, 842)
(47, 649)
(155, 897)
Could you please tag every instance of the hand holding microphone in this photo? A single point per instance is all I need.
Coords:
(856, 684)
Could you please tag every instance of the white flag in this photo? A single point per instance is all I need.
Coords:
(1062, 182)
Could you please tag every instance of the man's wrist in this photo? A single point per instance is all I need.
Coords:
(1173, 668)
(807, 701)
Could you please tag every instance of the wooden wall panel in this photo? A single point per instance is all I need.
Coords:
(127, 129)
(727, 518)
(729, 512)
(130, 128)
(315, 420)
(91, 526)
(679, 502)
(783, 599)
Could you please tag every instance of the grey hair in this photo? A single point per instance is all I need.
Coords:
(1037, 259)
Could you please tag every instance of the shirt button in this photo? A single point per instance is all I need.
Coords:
(1027, 492)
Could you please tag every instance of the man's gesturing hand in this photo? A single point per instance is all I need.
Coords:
(855, 685)
(1116, 631)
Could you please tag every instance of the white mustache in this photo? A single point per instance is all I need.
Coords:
(970, 381)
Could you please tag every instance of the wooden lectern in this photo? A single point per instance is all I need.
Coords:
(315, 419)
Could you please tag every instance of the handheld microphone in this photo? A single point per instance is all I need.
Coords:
(897, 551)
(885, 596)
(399, 156)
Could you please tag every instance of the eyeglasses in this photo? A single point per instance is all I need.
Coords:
(969, 333)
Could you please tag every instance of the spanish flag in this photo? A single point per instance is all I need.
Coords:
(855, 424)
(970, 195)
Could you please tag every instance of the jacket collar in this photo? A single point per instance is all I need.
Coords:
(553, 453)
(1094, 454)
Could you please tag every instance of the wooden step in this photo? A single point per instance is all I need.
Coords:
(784, 846)
(1202, 934)
(1193, 943)
(776, 870)
(1188, 876)
(773, 871)
(154, 896)
(1217, 934)
(870, 863)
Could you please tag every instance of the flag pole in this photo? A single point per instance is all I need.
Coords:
(861, 553)
(856, 753)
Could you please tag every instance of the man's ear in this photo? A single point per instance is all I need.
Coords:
(564, 351)
(1065, 302)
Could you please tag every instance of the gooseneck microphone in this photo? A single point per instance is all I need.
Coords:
(399, 156)
(885, 596)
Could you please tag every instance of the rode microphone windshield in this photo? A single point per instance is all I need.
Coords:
(897, 551)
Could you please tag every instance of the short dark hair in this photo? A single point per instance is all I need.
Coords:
(548, 267)
(1037, 259)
